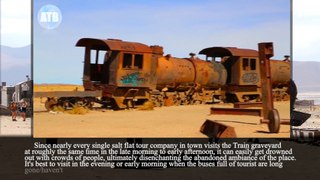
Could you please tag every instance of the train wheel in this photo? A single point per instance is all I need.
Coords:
(258, 99)
(219, 98)
(114, 105)
(177, 100)
(196, 102)
(65, 105)
(274, 121)
(157, 103)
(129, 103)
(88, 102)
(50, 103)
(231, 98)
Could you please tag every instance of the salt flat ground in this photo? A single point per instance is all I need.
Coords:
(171, 122)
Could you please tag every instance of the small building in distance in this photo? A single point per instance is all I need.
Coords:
(16, 93)
(6, 94)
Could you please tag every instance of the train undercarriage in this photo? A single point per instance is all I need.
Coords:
(126, 98)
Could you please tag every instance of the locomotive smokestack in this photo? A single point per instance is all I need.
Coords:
(286, 58)
(192, 55)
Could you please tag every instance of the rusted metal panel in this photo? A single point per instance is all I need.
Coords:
(242, 71)
(108, 90)
(214, 129)
(132, 78)
(135, 76)
(234, 71)
(236, 111)
(280, 73)
(113, 45)
(68, 94)
(228, 51)
(172, 72)
(210, 74)
(247, 104)
(249, 71)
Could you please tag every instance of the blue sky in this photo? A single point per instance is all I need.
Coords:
(179, 26)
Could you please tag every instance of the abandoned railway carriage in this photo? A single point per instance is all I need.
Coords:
(130, 73)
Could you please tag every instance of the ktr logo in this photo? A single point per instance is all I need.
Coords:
(49, 16)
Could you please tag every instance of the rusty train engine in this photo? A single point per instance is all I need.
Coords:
(127, 74)
(130, 73)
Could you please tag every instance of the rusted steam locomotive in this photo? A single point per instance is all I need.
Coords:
(130, 73)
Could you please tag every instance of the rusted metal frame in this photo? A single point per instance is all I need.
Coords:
(265, 53)
(87, 59)
(215, 129)
(97, 56)
(247, 104)
(126, 95)
(114, 45)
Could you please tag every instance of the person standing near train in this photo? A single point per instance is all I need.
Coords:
(23, 109)
(13, 108)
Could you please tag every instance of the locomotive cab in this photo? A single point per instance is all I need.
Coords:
(243, 71)
(122, 70)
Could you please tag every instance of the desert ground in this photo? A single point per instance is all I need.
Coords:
(15, 128)
(171, 121)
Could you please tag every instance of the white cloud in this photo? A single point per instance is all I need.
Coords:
(15, 23)
(306, 8)
(306, 27)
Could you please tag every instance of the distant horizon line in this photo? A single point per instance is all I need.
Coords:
(14, 47)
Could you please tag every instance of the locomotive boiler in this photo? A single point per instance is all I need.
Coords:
(123, 74)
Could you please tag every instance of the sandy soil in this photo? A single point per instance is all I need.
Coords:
(56, 87)
(250, 126)
(173, 121)
(15, 128)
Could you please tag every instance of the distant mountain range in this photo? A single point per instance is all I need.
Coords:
(15, 64)
(306, 75)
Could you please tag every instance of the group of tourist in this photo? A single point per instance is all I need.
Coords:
(18, 107)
